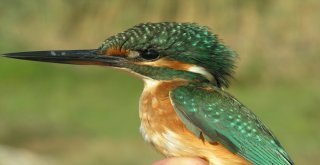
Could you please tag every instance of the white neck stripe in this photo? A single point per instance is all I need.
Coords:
(202, 71)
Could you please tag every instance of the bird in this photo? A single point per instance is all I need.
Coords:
(185, 109)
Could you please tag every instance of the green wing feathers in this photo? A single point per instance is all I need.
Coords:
(220, 117)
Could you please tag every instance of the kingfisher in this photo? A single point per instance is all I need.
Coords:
(185, 110)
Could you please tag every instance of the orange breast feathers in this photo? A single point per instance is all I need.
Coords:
(161, 126)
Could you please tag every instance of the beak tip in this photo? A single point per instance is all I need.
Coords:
(5, 55)
(8, 55)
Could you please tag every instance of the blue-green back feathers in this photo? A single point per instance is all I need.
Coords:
(221, 118)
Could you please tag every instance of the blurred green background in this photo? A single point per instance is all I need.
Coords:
(79, 115)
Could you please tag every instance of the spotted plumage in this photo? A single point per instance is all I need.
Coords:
(184, 109)
(183, 42)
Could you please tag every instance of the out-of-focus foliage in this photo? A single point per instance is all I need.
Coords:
(89, 115)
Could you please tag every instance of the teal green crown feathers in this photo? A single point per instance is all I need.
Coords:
(185, 42)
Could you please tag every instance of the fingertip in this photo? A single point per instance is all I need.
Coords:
(161, 162)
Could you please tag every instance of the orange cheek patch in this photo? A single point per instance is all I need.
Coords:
(117, 52)
(170, 64)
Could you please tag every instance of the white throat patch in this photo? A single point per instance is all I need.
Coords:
(150, 83)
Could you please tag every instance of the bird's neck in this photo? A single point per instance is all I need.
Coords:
(155, 100)
(157, 114)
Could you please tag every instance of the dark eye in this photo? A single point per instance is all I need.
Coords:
(149, 54)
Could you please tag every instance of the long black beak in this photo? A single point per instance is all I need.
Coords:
(79, 57)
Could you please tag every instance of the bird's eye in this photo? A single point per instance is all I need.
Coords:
(149, 54)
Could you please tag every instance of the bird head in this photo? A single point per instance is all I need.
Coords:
(158, 51)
